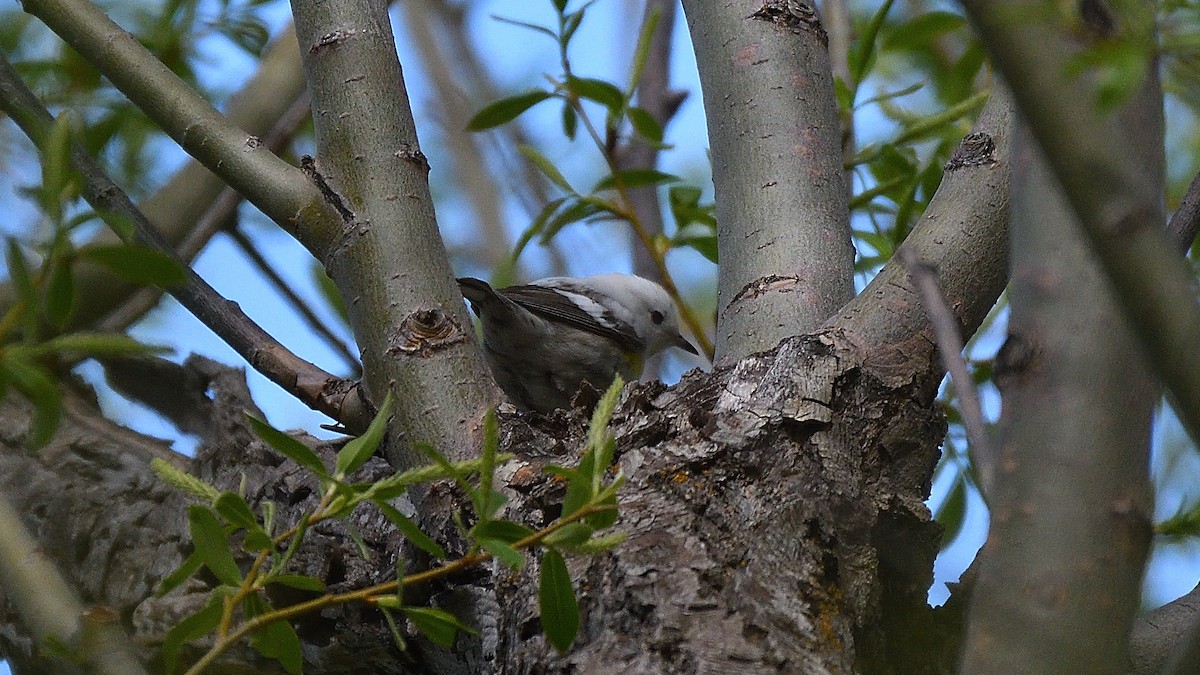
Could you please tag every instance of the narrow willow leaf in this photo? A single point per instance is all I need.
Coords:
(438, 625)
(523, 24)
(195, 626)
(575, 211)
(569, 535)
(186, 569)
(598, 428)
(645, 125)
(633, 178)
(506, 554)
(547, 167)
(356, 453)
(212, 545)
(556, 600)
(98, 345)
(397, 638)
(504, 530)
(645, 37)
(598, 545)
(60, 295)
(410, 530)
(485, 505)
(137, 264)
(278, 640)
(604, 93)
(39, 386)
(288, 446)
(22, 280)
(506, 110)
(300, 581)
(234, 509)
(952, 513)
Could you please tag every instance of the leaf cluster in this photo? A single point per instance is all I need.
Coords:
(225, 528)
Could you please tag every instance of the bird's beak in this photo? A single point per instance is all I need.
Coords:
(682, 342)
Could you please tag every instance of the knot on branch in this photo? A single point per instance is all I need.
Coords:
(413, 155)
(976, 149)
(763, 285)
(796, 16)
(425, 332)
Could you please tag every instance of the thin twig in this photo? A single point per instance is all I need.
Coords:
(310, 317)
(1185, 222)
(950, 344)
(386, 588)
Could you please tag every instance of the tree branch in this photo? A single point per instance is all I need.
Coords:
(783, 222)
(408, 315)
(279, 189)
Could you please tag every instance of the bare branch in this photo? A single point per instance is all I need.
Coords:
(783, 220)
(390, 264)
(950, 346)
(277, 188)
(1185, 222)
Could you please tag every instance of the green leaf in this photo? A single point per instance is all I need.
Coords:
(356, 453)
(918, 34)
(506, 110)
(212, 545)
(410, 530)
(60, 295)
(699, 236)
(598, 545)
(485, 503)
(556, 600)
(186, 569)
(257, 540)
(56, 167)
(192, 627)
(300, 581)
(534, 228)
(863, 55)
(503, 530)
(278, 640)
(642, 51)
(397, 638)
(236, 511)
(570, 121)
(438, 625)
(645, 125)
(288, 446)
(545, 166)
(575, 211)
(604, 93)
(569, 535)
(531, 26)
(632, 178)
(22, 280)
(39, 386)
(98, 345)
(506, 554)
(138, 264)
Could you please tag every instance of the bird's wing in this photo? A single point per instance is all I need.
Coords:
(575, 306)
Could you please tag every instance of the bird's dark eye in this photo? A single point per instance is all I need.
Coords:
(657, 317)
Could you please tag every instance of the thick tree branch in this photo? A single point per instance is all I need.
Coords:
(1071, 500)
(313, 386)
(1185, 222)
(782, 215)
(1159, 633)
(1116, 200)
(391, 266)
(280, 190)
(52, 610)
(964, 232)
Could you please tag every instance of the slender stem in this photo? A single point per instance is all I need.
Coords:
(224, 642)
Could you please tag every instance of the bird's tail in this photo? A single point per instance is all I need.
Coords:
(483, 297)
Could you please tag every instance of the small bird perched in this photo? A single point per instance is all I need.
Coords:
(546, 338)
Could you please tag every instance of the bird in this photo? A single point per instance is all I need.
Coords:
(544, 339)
